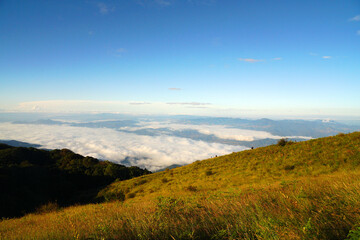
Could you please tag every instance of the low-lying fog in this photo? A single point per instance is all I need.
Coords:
(159, 142)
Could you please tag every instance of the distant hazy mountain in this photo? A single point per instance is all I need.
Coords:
(308, 128)
(170, 167)
(15, 143)
(305, 128)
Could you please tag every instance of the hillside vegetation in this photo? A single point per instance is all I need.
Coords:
(262, 166)
(305, 190)
(31, 177)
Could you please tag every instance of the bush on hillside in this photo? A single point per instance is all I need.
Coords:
(48, 207)
(289, 167)
(191, 188)
(131, 195)
(114, 196)
(354, 234)
(284, 141)
(209, 172)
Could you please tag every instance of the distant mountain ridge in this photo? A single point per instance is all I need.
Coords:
(305, 128)
(309, 128)
(15, 143)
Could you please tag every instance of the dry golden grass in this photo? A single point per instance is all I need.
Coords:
(262, 166)
(317, 208)
(246, 195)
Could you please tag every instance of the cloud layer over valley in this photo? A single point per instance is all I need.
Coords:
(152, 152)
(156, 142)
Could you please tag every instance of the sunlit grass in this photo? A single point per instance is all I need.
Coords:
(317, 208)
(307, 190)
(253, 167)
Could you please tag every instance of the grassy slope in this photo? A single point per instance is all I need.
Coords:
(263, 166)
(307, 190)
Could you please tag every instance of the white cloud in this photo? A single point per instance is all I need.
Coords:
(316, 54)
(36, 108)
(163, 2)
(188, 103)
(174, 89)
(197, 107)
(139, 103)
(125, 107)
(277, 59)
(356, 18)
(172, 108)
(250, 60)
(120, 50)
(150, 152)
(103, 8)
(70, 106)
(358, 32)
(203, 2)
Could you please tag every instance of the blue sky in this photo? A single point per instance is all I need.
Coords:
(203, 57)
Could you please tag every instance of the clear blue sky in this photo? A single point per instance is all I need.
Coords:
(204, 54)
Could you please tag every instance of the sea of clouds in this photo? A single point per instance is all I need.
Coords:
(152, 152)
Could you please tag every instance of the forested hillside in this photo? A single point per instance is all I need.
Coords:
(31, 178)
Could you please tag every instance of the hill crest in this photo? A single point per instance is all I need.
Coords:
(242, 169)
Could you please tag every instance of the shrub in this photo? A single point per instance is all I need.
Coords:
(289, 167)
(141, 182)
(131, 195)
(48, 207)
(208, 172)
(112, 196)
(164, 180)
(191, 188)
(354, 234)
(282, 142)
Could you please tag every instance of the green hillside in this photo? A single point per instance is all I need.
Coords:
(305, 190)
